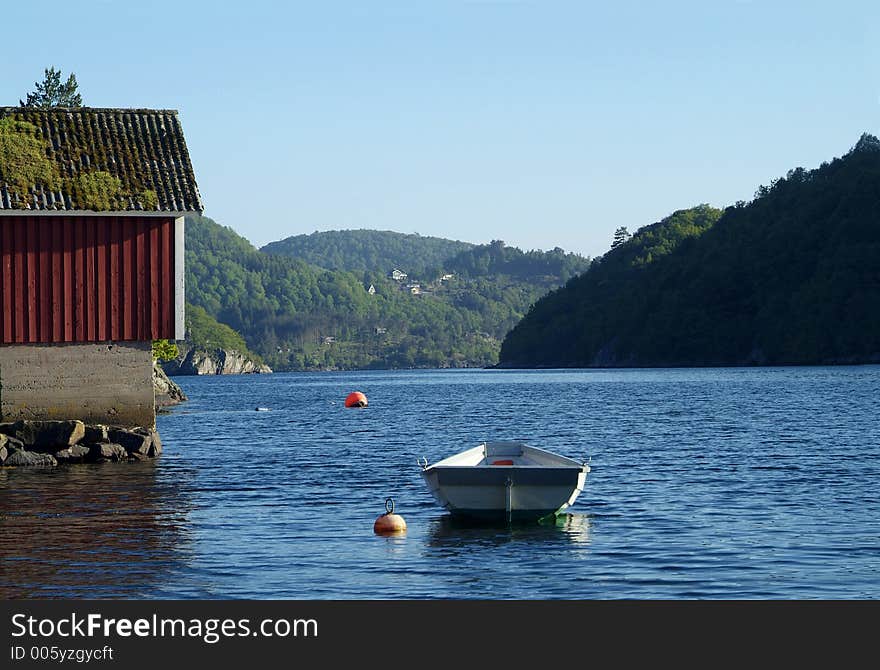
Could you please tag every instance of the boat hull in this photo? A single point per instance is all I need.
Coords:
(505, 493)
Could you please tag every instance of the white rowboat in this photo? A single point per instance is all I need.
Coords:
(508, 481)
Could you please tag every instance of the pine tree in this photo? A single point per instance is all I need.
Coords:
(621, 235)
(52, 93)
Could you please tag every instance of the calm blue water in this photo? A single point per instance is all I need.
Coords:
(706, 483)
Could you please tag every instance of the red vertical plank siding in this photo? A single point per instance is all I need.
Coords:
(101, 286)
(6, 238)
(91, 289)
(5, 282)
(46, 278)
(79, 281)
(86, 278)
(113, 293)
(141, 283)
(114, 281)
(155, 273)
(127, 260)
(57, 284)
(67, 283)
(19, 295)
(31, 288)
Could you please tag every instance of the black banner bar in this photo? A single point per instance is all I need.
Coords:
(257, 634)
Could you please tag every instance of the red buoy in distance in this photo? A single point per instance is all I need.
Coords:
(356, 399)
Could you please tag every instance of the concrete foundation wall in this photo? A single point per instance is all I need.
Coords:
(95, 383)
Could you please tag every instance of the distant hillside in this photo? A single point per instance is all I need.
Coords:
(374, 250)
(297, 316)
(791, 278)
(497, 259)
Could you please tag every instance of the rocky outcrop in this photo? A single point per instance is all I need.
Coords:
(49, 443)
(217, 362)
(168, 393)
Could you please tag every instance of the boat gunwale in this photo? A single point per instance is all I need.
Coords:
(566, 462)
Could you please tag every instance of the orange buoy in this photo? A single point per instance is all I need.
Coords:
(389, 522)
(356, 399)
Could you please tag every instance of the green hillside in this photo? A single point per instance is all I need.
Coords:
(205, 333)
(792, 277)
(496, 259)
(375, 250)
(297, 316)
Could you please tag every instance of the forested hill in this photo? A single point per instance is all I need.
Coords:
(298, 316)
(360, 250)
(793, 277)
(496, 258)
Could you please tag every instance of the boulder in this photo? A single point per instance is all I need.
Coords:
(12, 443)
(75, 454)
(47, 435)
(133, 441)
(95, 433)
(155, 445)
(20, 457)
(107, 451)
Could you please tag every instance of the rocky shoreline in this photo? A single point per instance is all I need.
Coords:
(216, 362)
(49, 443)
(166, 392)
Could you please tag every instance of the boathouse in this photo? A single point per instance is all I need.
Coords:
(91, 259)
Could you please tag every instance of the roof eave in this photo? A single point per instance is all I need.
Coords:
(88, 212)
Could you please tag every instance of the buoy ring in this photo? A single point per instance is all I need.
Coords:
(356, 399)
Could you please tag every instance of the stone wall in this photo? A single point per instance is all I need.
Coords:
(95, 383)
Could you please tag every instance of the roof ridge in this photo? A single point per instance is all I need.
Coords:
(123, 110)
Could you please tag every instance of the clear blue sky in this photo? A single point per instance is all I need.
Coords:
(540, 123)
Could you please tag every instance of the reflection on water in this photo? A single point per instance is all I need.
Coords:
(114, 530)
(575, 526)
(448, 531)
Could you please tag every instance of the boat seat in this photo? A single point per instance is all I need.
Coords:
(503, 461)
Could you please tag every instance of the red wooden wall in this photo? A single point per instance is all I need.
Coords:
(86, 278)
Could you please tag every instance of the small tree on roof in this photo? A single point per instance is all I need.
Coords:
(51, 92)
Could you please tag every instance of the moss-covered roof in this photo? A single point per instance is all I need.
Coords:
(95, 160)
